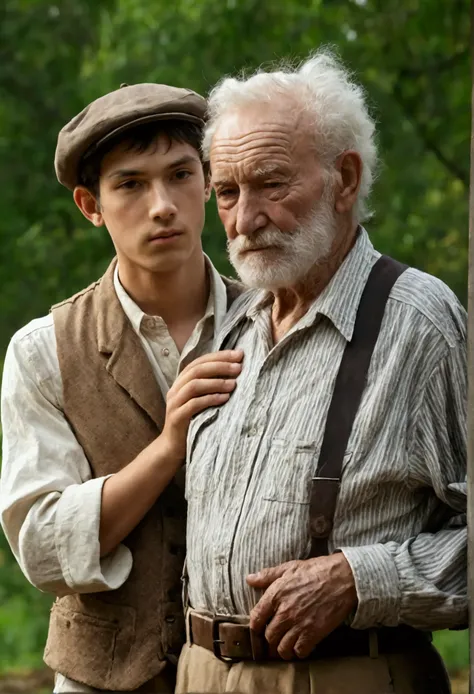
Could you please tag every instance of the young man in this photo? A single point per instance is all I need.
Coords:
(91, 499)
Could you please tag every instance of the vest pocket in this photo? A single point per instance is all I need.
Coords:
(88, 647)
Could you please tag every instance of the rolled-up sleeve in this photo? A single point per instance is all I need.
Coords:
(423, 580)
(49, 503)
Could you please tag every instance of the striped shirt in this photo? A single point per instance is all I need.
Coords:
(400, 517)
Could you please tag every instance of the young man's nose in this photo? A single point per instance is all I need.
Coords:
(161, 204)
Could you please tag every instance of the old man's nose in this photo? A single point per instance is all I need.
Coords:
(249, 221)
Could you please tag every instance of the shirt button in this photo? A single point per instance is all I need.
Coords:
(165, 352)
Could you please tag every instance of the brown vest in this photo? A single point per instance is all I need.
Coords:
(119, 639)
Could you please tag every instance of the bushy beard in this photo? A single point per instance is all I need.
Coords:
(292, 256)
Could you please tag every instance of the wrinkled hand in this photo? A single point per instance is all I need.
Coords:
(303, 602)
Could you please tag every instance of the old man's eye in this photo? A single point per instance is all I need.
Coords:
(226, 192)
(273, 184)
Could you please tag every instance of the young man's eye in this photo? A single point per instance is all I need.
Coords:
(182, 174)
(129, 185)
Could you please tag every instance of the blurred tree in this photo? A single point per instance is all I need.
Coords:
(411, 55)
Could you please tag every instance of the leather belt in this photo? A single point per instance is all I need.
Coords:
(231, 641)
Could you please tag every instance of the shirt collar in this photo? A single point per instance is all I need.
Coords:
(216, 304)
(339, 301)
(130, 308)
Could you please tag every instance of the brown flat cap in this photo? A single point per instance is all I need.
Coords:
(116, 112)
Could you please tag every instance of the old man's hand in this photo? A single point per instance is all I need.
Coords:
(303, 602)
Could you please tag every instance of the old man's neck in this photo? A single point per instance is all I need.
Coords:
(290, 304)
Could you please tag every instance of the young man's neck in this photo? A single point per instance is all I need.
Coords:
(179, 296)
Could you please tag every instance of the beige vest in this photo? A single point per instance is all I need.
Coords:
(117, 640)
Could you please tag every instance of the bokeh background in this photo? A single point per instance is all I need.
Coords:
(412, 56)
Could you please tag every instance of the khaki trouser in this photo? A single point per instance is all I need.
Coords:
(161, 684)
(419, 672)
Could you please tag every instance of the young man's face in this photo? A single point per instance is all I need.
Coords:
(152, 204)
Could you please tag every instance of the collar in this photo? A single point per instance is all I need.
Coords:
(339, 301)
(216, 304)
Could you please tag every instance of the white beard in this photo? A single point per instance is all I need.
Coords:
(292, 254)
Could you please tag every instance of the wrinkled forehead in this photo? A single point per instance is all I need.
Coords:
(258, 138)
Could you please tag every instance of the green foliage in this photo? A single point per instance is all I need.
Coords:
(24, 614)
(411, 55)
(454, 649)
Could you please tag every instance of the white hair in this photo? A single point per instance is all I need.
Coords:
(324, 90)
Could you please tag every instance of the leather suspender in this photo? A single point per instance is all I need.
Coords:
(348, 389)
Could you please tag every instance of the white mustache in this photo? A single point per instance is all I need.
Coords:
(268, 237)
(297, 251)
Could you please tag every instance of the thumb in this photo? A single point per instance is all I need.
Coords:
(266, 577)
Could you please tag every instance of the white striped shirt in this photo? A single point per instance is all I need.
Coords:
(251, 462)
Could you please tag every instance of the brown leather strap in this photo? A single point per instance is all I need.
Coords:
(229, 640)
(348, 389)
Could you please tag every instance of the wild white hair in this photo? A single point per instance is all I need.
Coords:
(324, 90)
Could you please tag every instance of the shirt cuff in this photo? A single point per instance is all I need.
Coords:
(377, 586)
(77, 541)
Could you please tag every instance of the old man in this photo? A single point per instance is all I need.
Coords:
(326, 528)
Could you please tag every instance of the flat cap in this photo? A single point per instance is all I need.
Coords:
(116, 112)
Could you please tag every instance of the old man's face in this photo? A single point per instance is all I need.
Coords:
(274, 198)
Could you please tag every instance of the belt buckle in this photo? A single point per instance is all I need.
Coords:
(216, 641)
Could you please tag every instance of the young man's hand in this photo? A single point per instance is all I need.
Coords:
(206, 382)
(129, 494)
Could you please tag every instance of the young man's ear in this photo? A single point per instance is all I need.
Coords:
(88, 205)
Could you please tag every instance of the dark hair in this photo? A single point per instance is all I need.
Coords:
(139, 139)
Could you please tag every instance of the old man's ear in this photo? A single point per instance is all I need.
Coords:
(348, 176)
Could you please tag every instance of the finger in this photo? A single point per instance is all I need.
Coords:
(204, 386)
(277, 628)
(287, 644)
(266, 577)
(197, 405)
(263, 611)
(198, 372)
(228, 355)
(307, 641)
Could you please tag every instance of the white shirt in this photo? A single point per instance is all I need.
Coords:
(49, 502)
